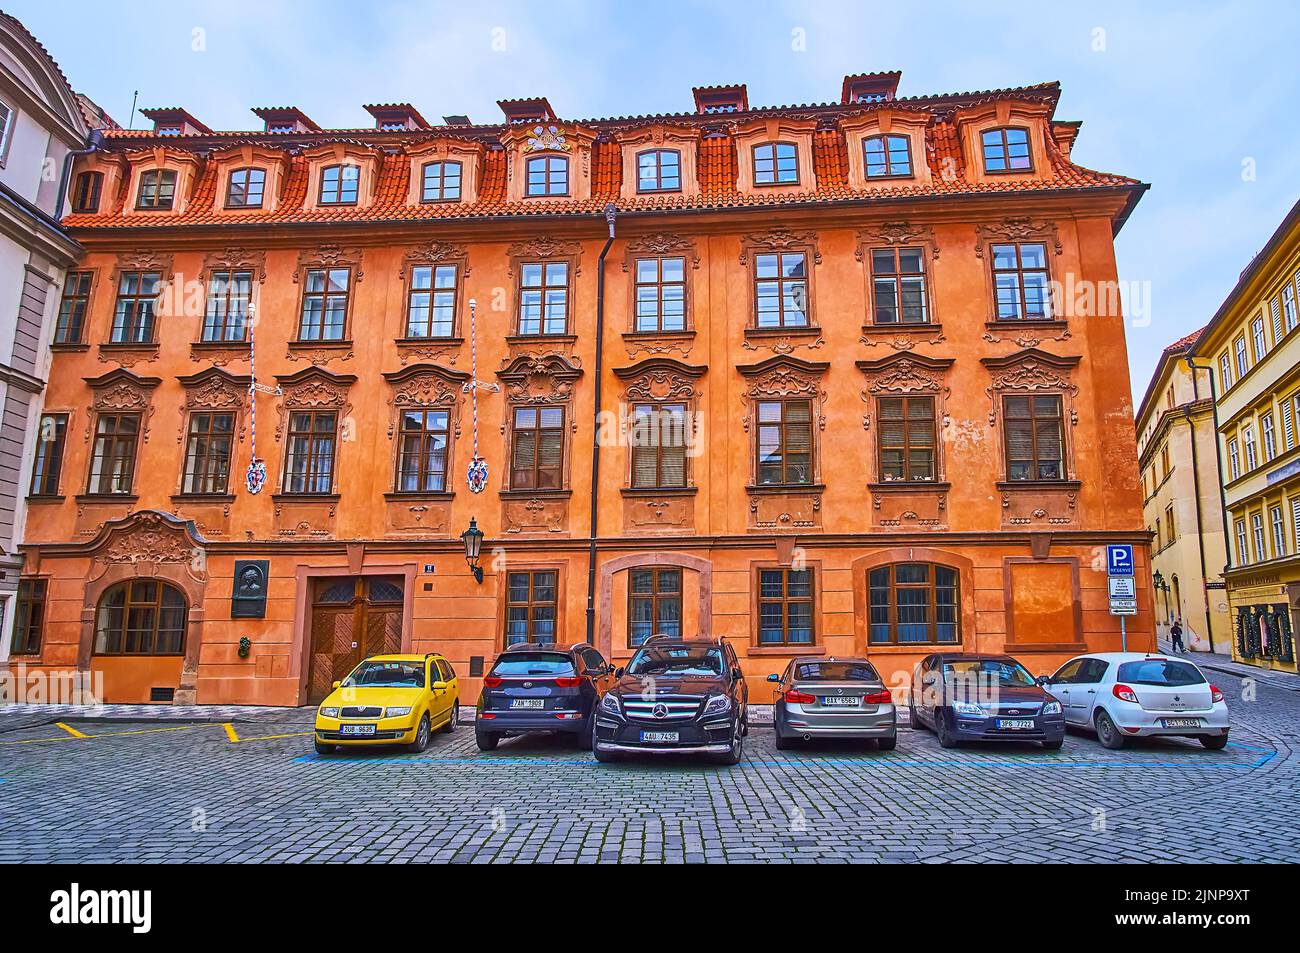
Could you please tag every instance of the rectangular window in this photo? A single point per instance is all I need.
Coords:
(29, 617)
(898, 285)
(886, 156)
(325, 305)
(1034, 438)
(1268, 436)
(440, 182)
(784, 443)
(654, 604)
(776, 163)
(544, 297)
(1258, 338)
(1257, 530)
(905, 438)
(657, 434)
(1278, 525)
(659, 170)
(157, 189)
(913, 603)
(781, 290)
(85, 197)
(422, 452)
(531, 606)
(207, 453)
(1288, 424)
(1275, 313)
(548, 175)
(112, 459)
(431, 302)
(229, 295)
(6, 125)
(1243, 548)
(1020, 282)
(338, 184)
(1243, 362)
(661, 294)
(1234, 459)
(1006, 150)
(1225, 371)
(245, 187)
(785, 607)
(71, 322)
(1248, 445)
(137, 298)
(1292, 317)
(537, 448)
(1171, 533)
(309, 459)
(48, 466)
(1295, 522)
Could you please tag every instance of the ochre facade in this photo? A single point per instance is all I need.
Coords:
(353, 555)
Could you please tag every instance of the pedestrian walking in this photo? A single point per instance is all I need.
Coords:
(1176, 633)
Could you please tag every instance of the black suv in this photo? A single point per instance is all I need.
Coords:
(541, 687)
(684, 696)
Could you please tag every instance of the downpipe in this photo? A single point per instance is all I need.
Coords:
(611, 213)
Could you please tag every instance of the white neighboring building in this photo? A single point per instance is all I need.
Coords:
(40, 124)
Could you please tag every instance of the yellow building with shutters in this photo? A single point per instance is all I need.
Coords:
(1253, 347)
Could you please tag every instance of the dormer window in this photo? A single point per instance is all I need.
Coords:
(1006, 150)
(548, 175)
(440, 182)
(338, 185)
(776, 163)
(887, 156)
(157, 189)
(168, 130)
(281, 127)
(85, 197)
(245, 188)
(659, 170)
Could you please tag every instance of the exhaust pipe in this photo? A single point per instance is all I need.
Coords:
(807, 737)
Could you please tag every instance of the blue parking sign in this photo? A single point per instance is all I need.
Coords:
(1119, 559)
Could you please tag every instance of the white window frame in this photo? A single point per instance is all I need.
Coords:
(1241, 353)
(1225, 370)
(1248, 447)
(1257, 531)
(1277, 523)
(1268, 436)
(1243, 547)
(7, 121)
(1234, 459)
(1258, 339)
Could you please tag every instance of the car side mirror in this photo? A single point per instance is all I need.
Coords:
(439, 686)
(338, 684)
(737, 674)
(609, 668)
(774, 677)
(1044, 680)
(618, 672)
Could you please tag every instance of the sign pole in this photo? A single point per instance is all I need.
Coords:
(1123, 634)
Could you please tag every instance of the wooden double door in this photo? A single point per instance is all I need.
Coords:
(351, 618)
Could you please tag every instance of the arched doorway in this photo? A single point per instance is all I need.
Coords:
(139, 640)
(352, 617)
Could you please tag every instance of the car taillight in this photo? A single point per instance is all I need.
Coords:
(493, 681)
(1125, 694)
(878, 698)
(568, 681)
(1215, 694)
(796, 697)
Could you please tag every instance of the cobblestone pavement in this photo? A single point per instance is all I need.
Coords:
(167, 792)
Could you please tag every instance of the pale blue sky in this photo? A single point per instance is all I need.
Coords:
(1179, 95)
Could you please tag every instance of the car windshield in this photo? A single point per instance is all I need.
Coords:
(835, 672)
(1160, 671)
(1004, 673)
(676, 660)
(533, 663)
(387, 675)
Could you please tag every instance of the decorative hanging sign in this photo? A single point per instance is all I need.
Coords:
(478, 475)
(255, 479)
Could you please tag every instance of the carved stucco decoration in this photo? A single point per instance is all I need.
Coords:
(660, 379)
(1030, 371)
(329, 255)
(436, 252)
(431, 350)
(896, 233)
(793, 511)
(1053, 507)
(667, 345)
(120, 391)
(538, 379)
(128, 357)
(783, 344)
(143, 259)
(1028, 337)
(903, 375)
(659, 244)
(1017, 230)
(780, 239)
(149, 537)
(319, 355)
(214, 390)
(312, 389)
(545, 247)
(535, 515)
(426, 386)
(784, 377)
(236, 258)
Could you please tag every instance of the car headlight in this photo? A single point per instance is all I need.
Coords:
(1052, 708)
(717, 705)
(329, 712)
(610, 703)
(397, 712)
(967, 708)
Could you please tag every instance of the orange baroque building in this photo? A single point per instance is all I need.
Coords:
(811, 378)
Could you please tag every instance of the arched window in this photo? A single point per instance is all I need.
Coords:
(887, 156)
(659, 170)
(914, 603)
(548, 175)
(141, 617)
(1006, 150)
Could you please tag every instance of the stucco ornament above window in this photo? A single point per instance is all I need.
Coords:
(546, 139)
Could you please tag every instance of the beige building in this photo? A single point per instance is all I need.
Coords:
(1253, 346)
(1177, 451)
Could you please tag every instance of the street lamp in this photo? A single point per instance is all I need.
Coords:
(473, 540)
(1158, 581)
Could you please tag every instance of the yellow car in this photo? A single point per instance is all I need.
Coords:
(387, 700)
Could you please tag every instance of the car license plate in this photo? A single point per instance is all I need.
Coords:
(847, 701)
(660, 737)
(527, 702)
(357, 729)
(1017, 724)
(1181, 722)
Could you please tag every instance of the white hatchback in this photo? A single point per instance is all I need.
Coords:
(1122, 695)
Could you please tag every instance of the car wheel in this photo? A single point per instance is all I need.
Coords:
(486, 740)
(324, 749)
(887, 744)
(737, 750)
(946, 740)
(1214, 742)
(421, 736)
(1107, 733)
(450, 726)
(1054, 744)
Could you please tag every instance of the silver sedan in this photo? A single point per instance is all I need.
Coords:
(832, 698)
